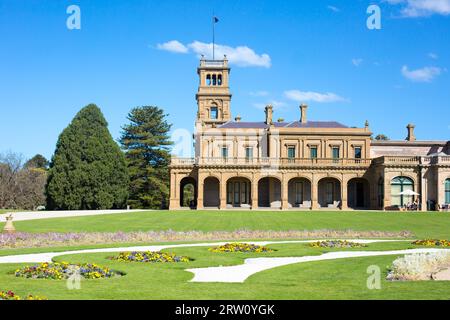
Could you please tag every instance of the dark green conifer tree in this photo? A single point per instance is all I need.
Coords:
(88, 169)
(147, 144)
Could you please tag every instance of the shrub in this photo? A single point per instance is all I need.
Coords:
(240, 247)
(149, 256)
(336, 244)
(432, 243)
(64, 270)
(418, 266)
(9, 295)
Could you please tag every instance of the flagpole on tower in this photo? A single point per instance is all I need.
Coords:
(214, 21)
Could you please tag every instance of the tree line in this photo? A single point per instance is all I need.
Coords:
(89, 170)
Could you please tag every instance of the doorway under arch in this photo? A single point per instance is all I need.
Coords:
(188, 193)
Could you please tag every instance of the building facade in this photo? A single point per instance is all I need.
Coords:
(301, 164)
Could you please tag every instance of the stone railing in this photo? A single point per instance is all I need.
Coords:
(412, 160)
(271, 162)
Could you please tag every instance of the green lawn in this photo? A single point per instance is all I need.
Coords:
(430, 224)
(334, 279)
(338, 279)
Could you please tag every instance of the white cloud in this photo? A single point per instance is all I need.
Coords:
(277, 105)
(433, 56)
(426, 74)
(422, 8)
(333, 8)
(303, 96)
(173, 46)
(259, 93)
(357, 62)
(242, 56)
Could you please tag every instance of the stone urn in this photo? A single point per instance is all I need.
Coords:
(9, 227)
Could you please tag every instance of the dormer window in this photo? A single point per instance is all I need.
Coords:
(214, 113)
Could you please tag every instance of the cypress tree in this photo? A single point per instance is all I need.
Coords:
(88, 170)
(147, 144)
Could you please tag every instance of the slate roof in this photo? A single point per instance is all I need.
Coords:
(293, 124)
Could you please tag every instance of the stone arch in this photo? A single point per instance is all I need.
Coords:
(211, 192)
(358, 193)
(269, 192)
(299, 192)
(238, 191)
(188, 192)
(329, 192)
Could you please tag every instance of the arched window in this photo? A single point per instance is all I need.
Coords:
(219, 80)
(399, 185)
(214, 80)
(447, 191)
(208, 80)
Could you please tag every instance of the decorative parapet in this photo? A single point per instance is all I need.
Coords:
(412, 160)
(273, 162)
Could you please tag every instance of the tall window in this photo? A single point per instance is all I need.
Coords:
(313, 152)
(224, 152)
(330, 192)
(249, 153)
(214, 113)
(335, 152)
(399, 185)
(214, 80)
(291, 152)
(298, 192)
(358, 153)
(208, 80)
(219, 79)
(447, 191)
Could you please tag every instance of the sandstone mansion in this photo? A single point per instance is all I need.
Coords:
(300, 164)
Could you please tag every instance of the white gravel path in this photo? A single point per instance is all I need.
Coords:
(35, 215)
(254, 265)
(48, 256)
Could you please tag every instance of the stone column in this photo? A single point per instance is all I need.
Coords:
(423, 190)
(174, 192)
(223, 193)
(314, 194)
(254, 193)
(284, 193)
(200, 193)
(344, 203)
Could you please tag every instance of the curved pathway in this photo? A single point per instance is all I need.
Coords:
(251, 266)
(237, 273)
(48, 256)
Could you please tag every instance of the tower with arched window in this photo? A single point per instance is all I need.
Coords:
(213, 95)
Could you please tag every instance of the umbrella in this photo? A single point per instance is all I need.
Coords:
(408, 193)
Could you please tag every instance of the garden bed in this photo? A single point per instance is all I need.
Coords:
(64, 270)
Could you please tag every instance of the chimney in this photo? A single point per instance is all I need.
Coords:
(303, 108)
(238, 118)
(411, 136)
(269, 113)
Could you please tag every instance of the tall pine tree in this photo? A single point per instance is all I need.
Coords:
(147, 144)
(88, 169)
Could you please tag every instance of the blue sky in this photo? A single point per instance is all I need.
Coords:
(144, 52)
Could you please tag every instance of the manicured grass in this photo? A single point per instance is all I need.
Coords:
(423, 225)
(335, 279)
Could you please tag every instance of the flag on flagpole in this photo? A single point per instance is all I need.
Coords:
(215, 19)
